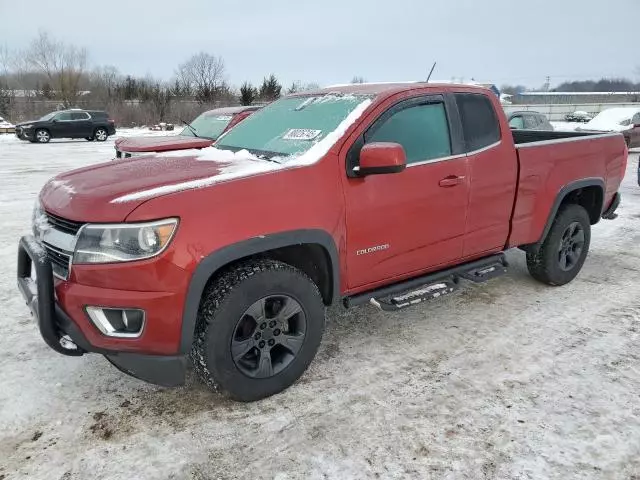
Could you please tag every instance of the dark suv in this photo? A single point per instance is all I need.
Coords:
(75, 123)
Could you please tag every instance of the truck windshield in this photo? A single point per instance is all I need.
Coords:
(208, 125)
(291, 126)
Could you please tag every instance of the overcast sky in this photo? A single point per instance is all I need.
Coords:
(330, 41)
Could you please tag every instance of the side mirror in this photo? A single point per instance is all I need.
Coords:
(381, 157)
(55, 120)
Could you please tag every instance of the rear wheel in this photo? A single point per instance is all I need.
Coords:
(42, 136)
(100, 134)
(259, 327)
(562, 254)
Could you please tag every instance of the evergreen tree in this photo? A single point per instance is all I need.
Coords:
(248, 94)
(270, 89)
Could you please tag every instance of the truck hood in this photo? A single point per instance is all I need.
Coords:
(161, 144)
(109, 192)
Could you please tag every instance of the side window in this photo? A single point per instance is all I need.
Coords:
(64, 116)
(531, 122)
(422, 130)
(479, 120)
(517, 122)
(79, 116)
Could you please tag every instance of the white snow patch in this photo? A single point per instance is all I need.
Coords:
(612, 120)
(62, 185)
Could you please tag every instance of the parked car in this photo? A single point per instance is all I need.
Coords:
(388, 194)
(75, 123)
(578, 116)
(6, 127)
(200, 133)
(625, 120)
(528, 120)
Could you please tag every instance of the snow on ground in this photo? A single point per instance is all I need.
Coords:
(510, 379)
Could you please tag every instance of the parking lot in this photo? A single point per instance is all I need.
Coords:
(510, 379)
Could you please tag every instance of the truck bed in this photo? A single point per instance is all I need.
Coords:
(548, 162)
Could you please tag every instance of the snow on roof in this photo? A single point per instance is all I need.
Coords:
(611, 120)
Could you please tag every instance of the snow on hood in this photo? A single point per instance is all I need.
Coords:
(243, 163)
(232, 165)
(610, 120)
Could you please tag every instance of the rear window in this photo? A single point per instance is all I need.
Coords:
(99, 115)
(479, 120)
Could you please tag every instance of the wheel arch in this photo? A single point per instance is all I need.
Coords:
(588, 192)
(320, 261)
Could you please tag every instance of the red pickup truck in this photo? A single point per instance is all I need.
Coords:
(201, 133)
(390, 194)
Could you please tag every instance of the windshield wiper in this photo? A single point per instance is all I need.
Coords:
(193, 130)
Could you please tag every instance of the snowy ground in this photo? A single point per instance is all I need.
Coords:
(510, 379)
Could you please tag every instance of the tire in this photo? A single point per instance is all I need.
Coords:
(562, 254)
(248, 309)
(42, 135)
(100, 134)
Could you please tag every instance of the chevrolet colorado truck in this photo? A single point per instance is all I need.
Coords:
(389, 194)
(201, 133)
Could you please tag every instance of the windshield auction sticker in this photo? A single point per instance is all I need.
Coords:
(301, 134)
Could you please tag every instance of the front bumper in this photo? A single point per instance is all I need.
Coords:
(63, 335)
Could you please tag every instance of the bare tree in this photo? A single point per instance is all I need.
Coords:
(358, 79)
(62, 64)
(203, 74)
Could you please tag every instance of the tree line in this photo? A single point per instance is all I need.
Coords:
(50, 73)
(602, 85)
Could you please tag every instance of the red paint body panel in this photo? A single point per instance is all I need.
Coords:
(424, 223)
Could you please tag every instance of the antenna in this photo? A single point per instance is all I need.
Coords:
(431, 72)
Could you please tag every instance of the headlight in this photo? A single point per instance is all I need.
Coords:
(123, 242)
(38, 219)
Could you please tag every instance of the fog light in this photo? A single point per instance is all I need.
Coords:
(117, 322)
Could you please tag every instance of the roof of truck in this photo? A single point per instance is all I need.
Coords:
(387, 87)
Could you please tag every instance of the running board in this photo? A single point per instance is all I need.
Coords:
(432, 286)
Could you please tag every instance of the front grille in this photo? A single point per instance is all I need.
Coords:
(59, 261)
(62, 224)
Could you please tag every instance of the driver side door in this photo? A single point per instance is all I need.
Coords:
(401, 224)
(61, 125)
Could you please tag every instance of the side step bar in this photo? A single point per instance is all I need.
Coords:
(428, 287)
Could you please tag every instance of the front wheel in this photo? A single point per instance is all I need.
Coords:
(100, 134)
(259, 327)
(43, 136)
(562, 254)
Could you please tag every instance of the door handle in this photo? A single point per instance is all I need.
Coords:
(451, 181)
